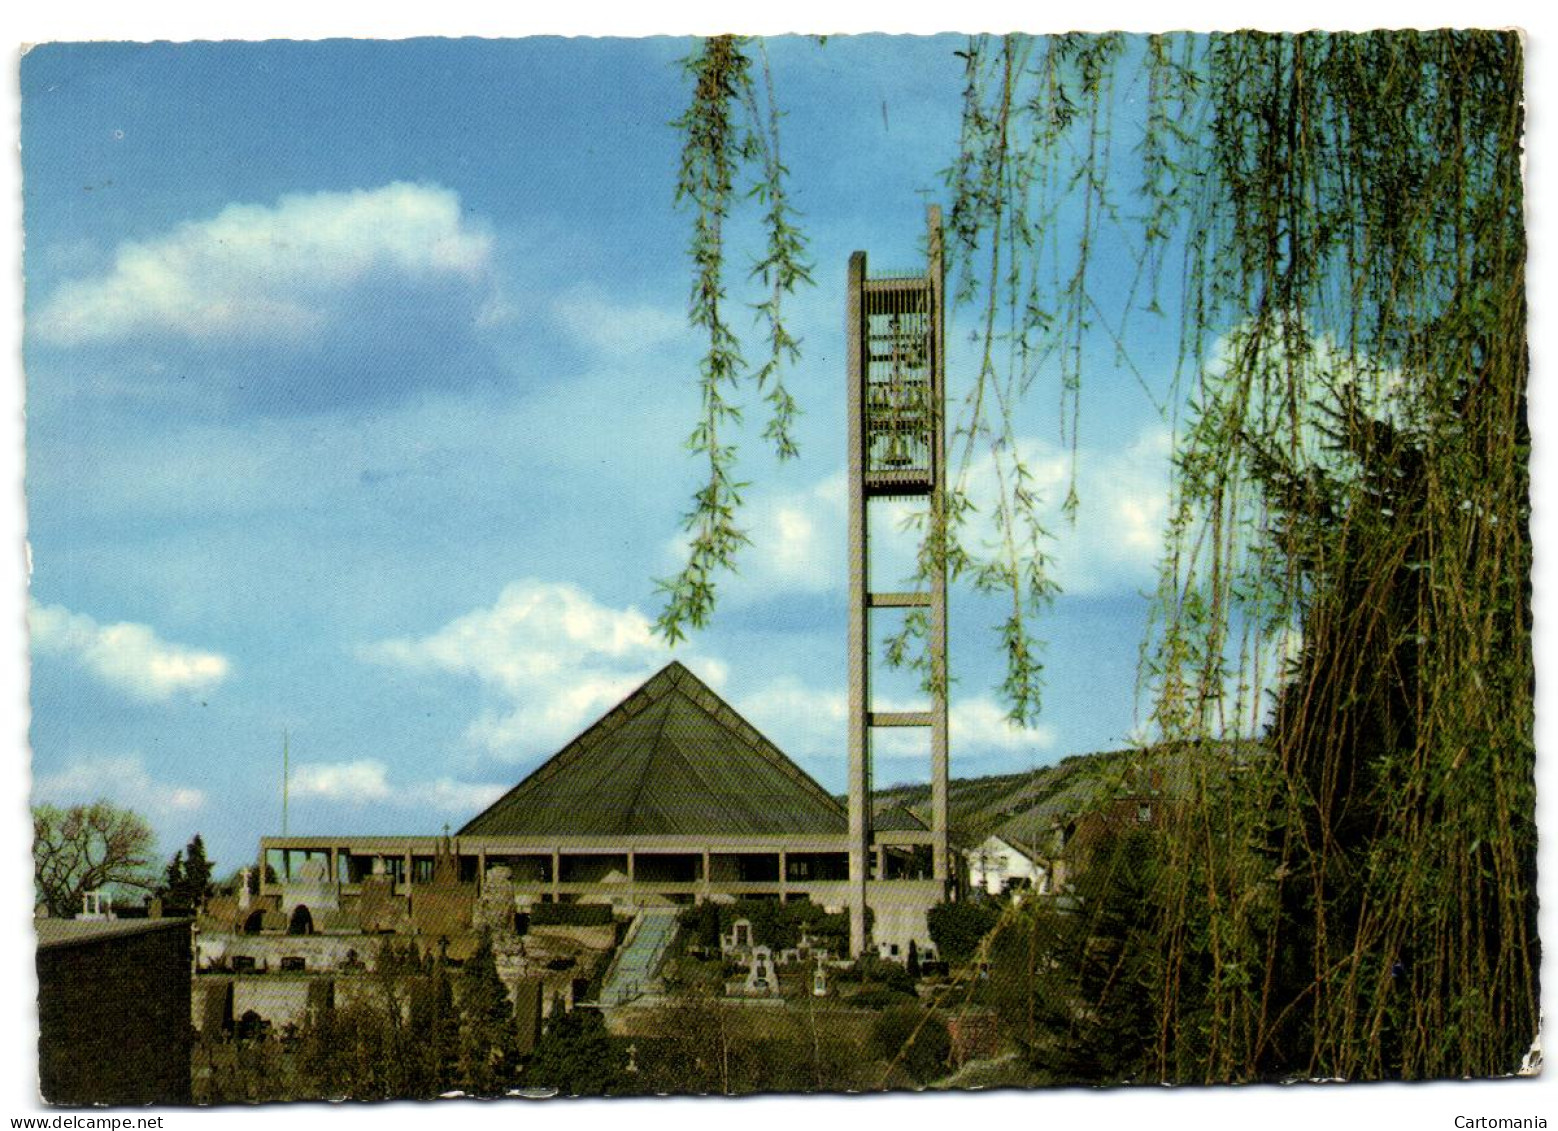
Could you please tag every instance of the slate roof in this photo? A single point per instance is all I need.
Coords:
(897, 818)
(672, 759)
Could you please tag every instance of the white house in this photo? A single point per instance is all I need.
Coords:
(997, 862)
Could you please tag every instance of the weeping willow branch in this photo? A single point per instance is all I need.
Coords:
(1355, 466)
(726, 134)
(784, 266)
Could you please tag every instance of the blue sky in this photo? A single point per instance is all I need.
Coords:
(358, 379)
(247, 535)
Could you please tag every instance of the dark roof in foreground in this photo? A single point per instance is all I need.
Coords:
(672, 759)
(71, 932)
(897, 818)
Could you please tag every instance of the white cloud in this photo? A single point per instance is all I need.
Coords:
(256, 270)
(449, 796)
(535, 629)
(1116, 540)
(548, 715)
(357, 782)
(127, 656)
(619, 332)
(368, 780)
(798, 537)
(797, 543)
(797, 540)
(981, 725)
(123, 780)
(557, 657)
(814, 724)
(800, 720)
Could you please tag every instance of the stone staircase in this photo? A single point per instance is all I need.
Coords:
(639, 957)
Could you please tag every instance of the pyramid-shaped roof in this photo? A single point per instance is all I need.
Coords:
(672, 759)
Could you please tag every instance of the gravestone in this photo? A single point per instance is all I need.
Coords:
(762, 977)
(740, 937)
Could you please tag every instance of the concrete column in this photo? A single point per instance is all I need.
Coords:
(859, 637)
(938, 580)
(557, 871)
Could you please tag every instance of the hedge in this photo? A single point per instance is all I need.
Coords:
(571, 915)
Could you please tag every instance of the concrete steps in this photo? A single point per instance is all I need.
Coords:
(639, 959)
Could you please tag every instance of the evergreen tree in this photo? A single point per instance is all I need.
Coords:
(435, 1024)
(1114, 956)
(577, 1056)
(187, 880)
(708, 925)
(487, 1035)
(172, 882)
(957, 928)
(197, 870)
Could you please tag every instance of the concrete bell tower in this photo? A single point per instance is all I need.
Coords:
(897, 448)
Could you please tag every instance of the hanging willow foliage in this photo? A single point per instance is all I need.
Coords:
(727, 133)
(1352, 474)
(1355, 474)
(1341, 640)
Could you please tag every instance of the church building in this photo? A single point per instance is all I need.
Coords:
(669, 798)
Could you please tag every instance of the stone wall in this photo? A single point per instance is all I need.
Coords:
(113, 1018)
(443, 912)
(281, 1001)
(898, 908)
(215, 951)
(599, 937)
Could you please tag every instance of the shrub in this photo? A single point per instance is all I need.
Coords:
(926, 1057)
(571, 915)
(869, 968)
(957, 928)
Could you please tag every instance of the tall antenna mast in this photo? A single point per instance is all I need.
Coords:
(286, 778)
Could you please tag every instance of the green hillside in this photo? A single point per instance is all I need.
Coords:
(977, 807)
(1024, 807)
